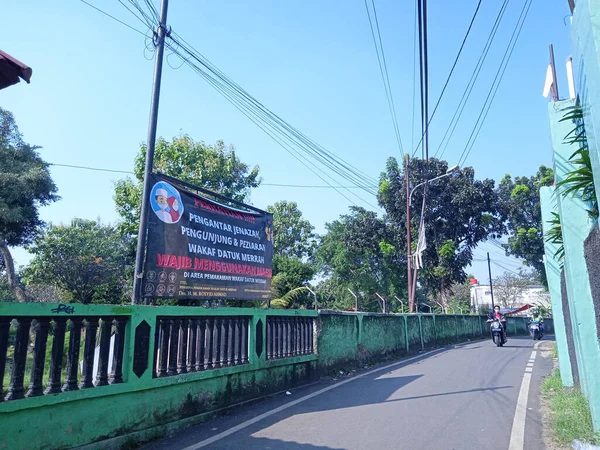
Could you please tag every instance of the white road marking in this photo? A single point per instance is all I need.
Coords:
(517, 434)
(256, 419)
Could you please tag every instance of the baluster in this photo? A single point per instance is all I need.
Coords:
(239, 339)
(296, 327)
(286, 336)
(235, 347)
(4, 334)
(311, 342)
(231, 354)
(91, 326)
(210, 339)
(245, 340)
(15, 388)
(297, 335)
(269, 340)
(305, 345)
(201, 348)
(73, 354)
(279, 342)
(218, 339)
(173, 346)
(191, 366)
(163, 355)
(39, 357)
(226, 339)
(183, 346)
(302, 336)
(291, 342)
(104, 353)
(116, 375)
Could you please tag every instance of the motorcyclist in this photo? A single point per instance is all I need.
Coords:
(536, 316)
(496, 314)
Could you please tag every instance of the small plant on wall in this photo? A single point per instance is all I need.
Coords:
(580, 181)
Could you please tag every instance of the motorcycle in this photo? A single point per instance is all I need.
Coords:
(535, 330)
(497, 331)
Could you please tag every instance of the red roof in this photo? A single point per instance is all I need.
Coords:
(11, 70)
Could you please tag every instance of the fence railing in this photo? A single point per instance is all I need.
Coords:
(289, 336)
(198, 343)
(48, 349)
(48, 356)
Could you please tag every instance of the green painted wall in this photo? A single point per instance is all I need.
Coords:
(384, 334)
(428, 330)
(338, 339)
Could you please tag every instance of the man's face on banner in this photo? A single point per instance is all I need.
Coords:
(162, 201)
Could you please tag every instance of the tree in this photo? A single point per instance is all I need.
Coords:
(25, 185)
(363, 253)
(522, 215)
(293, 234)
(509, 289)
(460, 212)
(212, 167)
(85, 259)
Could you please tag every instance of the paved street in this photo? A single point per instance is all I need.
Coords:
(461, 397)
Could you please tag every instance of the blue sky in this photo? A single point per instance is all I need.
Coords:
(311, 62)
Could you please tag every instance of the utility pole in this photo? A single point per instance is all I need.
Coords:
(554, 80)
(408, 247)
(143, 228)
(490, 272)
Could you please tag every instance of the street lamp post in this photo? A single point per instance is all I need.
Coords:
(412, 288)
(449, 172)
(315, 295)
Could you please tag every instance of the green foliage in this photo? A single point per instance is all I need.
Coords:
(85, 259)
(522, 215)
(580, 181)
(360, 251)
(460, 212)
(291, 275)
(212, 167)
(293, 235)
(25, 185)
(554, 236)
(570, 416)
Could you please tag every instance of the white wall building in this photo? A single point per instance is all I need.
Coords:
(481, 297)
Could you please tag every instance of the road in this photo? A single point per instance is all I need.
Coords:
(460, 397)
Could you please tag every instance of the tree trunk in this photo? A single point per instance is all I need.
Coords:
(9, 265)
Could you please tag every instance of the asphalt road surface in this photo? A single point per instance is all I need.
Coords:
(471, 397)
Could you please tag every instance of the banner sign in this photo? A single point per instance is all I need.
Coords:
(200, 249)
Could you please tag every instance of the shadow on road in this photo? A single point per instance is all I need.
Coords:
(262, 443)
(442, 394)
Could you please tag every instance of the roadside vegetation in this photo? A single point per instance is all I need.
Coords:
(570, 417)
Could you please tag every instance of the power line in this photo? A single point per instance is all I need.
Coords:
(424, 133)
(256, 112)
(126, 172)
(384, 71)
(113, 18)
(471, 84)
(494, 87)
(267, 120)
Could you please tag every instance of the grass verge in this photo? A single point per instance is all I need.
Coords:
(570, 416)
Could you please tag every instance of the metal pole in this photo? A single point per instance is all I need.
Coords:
(315, 295)
(490, 272)
(554, 80)
(382, 302)
(408, 247)
(355, 300)
(143, 228)
(401, 304)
